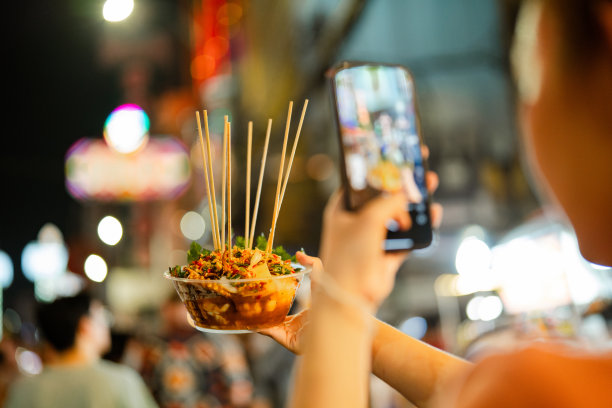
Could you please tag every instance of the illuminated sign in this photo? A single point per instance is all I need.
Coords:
(160, 170)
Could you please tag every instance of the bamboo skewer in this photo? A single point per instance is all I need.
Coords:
(261, 174)
(247, 211)
(208, 194)
(294, 148)
(223, 185)
(215, 225)
(229, 186)
(280, 177)
(218, 231)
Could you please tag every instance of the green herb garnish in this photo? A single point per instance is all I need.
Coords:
(177, 271)
(240, 242)
(195, 251)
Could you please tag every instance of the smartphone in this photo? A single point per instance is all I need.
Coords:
(380, 144)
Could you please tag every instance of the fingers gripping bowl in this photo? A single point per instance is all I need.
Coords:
(237, 291)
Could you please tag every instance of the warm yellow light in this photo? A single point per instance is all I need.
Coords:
(95, 268)
(117, 10)
(110, 230)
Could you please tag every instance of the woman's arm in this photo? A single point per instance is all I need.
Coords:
(335, 367)
(334, 370)
(415, 369)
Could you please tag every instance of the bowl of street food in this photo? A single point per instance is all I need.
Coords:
(238, 290)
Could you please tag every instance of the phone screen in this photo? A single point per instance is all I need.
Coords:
(381, 144)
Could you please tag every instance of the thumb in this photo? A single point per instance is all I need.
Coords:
(306, 260)
(317, 267)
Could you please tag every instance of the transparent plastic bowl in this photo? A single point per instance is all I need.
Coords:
(238, 305)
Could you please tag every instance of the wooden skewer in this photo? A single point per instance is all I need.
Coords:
(261, 174)
(229, 186)
(215, 225)
(212, 223)
(247, 211)
(295, 143)
(223, 186)
(280, 179)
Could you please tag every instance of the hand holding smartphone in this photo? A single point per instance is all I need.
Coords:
(380, 144)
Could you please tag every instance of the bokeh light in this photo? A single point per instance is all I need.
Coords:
(110, 230)
(415, 326)
(67, 284)
(193, 225)
(12, 321)
(490, 308)
(29, 363)
(320, 167)
(6, 270)
(472, 308)
(473, 257)
(95, 268)
(43, 260)
(202, 67)
(117, 10)
(127, 128)
(485, 308)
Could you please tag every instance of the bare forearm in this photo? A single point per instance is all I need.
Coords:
(415, 369)
(336, 358)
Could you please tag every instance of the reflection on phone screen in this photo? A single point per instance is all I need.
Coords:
(381, 145)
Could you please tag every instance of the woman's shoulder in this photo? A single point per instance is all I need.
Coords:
(541, 374)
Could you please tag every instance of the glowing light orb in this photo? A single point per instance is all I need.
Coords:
(127, 128)
(473, 257)
(110, 230)
(485, 308)
(43, 260)
(6, 270)
(28, 362)
(415, 326)
(490, 308)
(95, 268)
(117, 10)
(193, 225)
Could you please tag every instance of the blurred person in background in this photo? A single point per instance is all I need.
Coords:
(77, 333)
(185, 368)
(568, 120)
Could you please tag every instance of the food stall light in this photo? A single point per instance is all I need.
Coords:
(475, 231)
(117, 10)
(473, 257)
(485, 308)
(472, 310)
(110, 230)
(192, 225)
(490, 308)
(95, 268)
(6, 270)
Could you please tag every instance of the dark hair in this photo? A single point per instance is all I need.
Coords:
(581, 31)
(59, 320)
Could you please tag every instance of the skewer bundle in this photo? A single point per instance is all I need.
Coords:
(218, 231)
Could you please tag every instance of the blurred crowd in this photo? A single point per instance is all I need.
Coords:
(172, 366)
